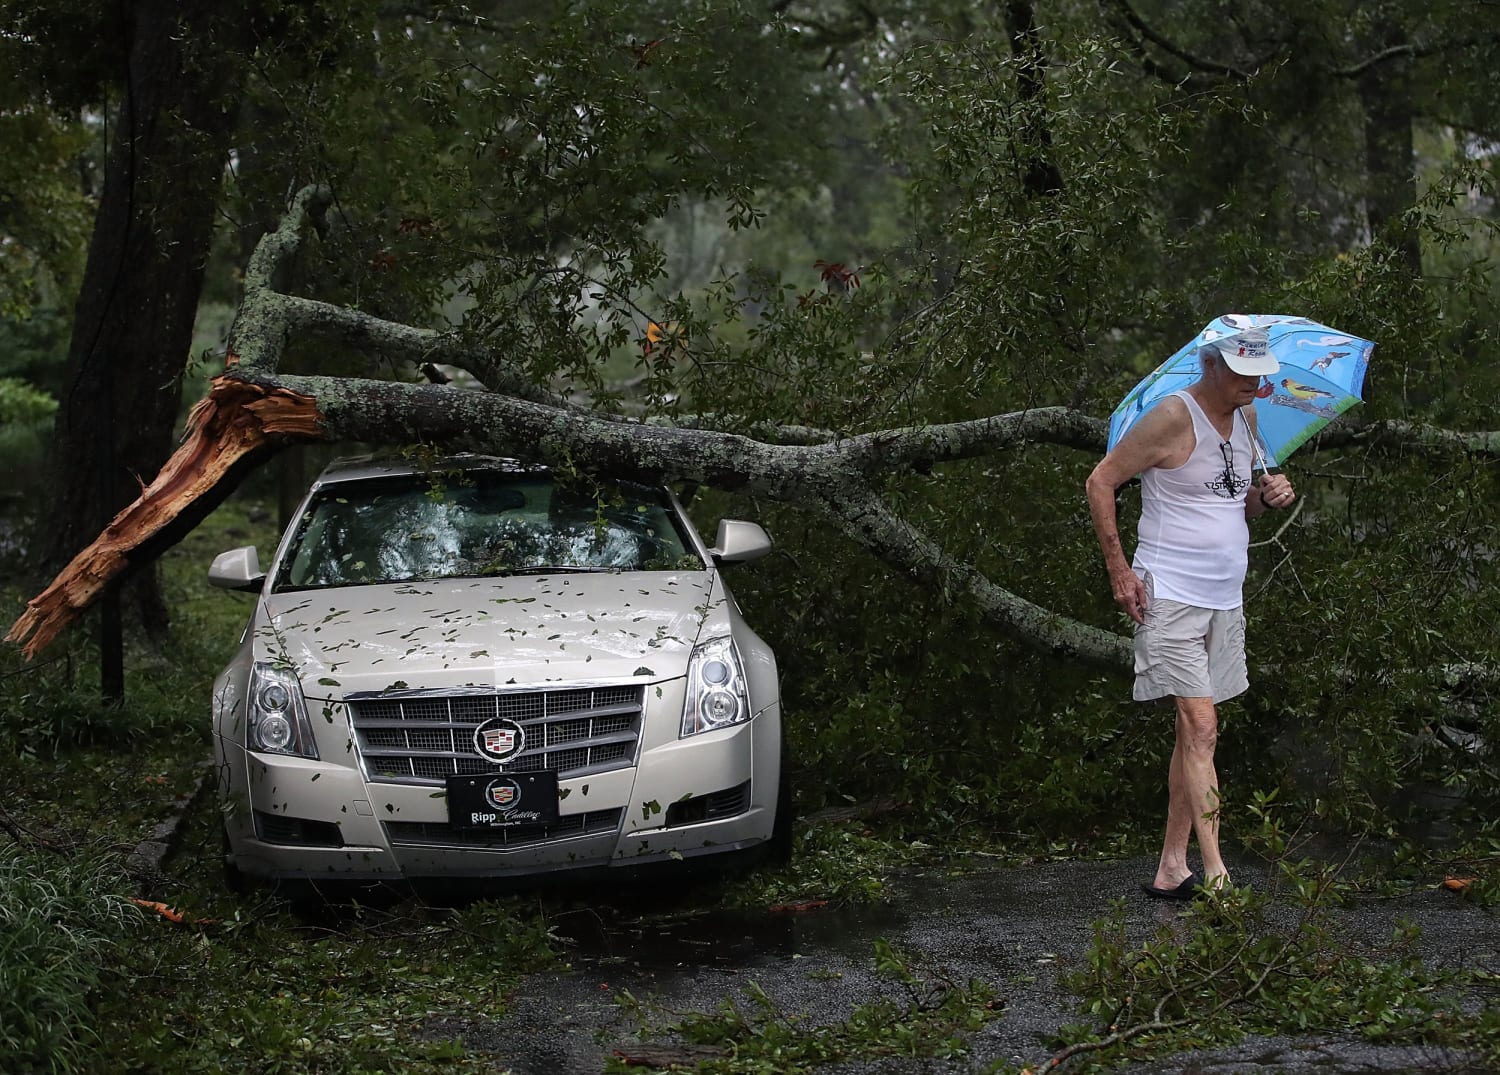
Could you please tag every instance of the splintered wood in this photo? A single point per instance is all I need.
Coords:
(235, 418)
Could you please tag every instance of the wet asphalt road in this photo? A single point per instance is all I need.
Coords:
(1014, 928)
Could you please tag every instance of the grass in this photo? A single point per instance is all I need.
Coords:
(265, 990)
(91, 981)
(59, 927)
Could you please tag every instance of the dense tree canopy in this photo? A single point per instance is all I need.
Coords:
(775, 230)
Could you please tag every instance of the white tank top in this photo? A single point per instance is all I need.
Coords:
(1193, 537)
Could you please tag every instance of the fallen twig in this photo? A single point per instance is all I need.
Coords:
(665, 1056)
(22, 835)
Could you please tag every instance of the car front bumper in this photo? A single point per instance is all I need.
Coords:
(708, 794)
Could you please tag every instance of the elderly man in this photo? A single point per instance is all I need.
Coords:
(1193, 451)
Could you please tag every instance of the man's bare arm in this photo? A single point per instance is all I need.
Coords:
(1151, 442)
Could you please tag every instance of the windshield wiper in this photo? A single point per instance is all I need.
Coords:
(555, 569)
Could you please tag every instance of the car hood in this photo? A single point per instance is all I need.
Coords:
(522, 630)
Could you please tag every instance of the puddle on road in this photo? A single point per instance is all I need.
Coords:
(682, 960)
(565, 1021)
(719, 939)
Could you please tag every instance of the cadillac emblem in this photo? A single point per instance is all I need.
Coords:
(504, 794)
(499, 740)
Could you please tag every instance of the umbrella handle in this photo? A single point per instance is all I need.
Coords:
(1260, 454)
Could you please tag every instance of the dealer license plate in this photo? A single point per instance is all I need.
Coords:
(495, 800)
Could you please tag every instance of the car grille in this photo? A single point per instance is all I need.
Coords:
(436, 834)
(425, 738)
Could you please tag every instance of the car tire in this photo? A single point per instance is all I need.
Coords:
(779, 847)
(780, 843)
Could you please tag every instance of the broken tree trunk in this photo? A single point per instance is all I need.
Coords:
(227, 432)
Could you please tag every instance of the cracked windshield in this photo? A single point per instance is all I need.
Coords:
(482, 525)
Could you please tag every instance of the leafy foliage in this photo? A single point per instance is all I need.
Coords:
(829, 220)
(265, 997)
(543, 178)
(45, 213)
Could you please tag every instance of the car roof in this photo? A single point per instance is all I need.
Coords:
(366, 467)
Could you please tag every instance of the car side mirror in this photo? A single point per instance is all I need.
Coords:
(237, 569)
(739, 542)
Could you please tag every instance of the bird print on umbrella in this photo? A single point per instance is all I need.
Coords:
(1322, 375)
(1322, 363)
(1304, 391)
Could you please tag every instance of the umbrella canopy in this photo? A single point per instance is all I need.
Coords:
(1322, 375)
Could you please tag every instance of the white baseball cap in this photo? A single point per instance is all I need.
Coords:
(1248, 353)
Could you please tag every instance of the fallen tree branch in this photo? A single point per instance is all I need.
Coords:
(252, 410)
(1157, 1023)
(1399, 435)
(902, 545)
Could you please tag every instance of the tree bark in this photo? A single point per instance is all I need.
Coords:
(133, 320)
(234, 428)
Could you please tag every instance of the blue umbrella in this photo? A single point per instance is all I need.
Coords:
(1322, 375)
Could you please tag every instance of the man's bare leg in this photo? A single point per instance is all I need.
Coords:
(1192, 797)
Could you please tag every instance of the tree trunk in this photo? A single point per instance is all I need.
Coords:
(1390, 165)
(1041, 176)
(133, 320)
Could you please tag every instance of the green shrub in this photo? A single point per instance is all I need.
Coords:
(58, 923)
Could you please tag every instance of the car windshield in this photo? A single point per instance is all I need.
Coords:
(481, 524)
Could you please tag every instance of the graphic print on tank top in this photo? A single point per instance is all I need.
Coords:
(1228, 482)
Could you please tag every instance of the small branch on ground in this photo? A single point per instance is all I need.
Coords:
(24, 836)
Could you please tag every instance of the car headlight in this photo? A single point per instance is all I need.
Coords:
(716, 695)
(278, 715)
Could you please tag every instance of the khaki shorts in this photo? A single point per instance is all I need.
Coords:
(1185, 651)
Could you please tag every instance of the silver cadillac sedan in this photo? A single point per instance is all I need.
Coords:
(478, 668)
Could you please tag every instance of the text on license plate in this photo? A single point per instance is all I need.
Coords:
(493, 800)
